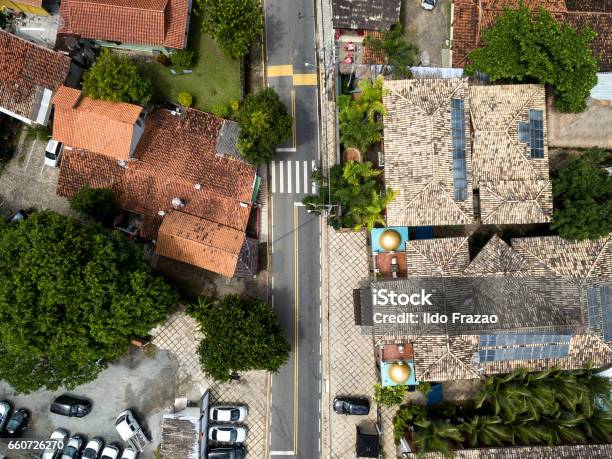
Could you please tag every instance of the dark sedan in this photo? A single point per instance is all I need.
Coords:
(69, 405)
(237, 452)
(17, 423)
(353, 406)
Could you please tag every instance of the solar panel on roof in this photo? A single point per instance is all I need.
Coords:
(523, 346)
(458, 142)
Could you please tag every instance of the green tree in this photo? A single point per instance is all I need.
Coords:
(352, 195)
(239, 334)
(113, 77)
(436, 436)
(182, 58)
(96, 203)
(264, 123)
(389, 396)
(399, 53)
(234, 24)
(405, 417)
(360, 119)
(526, 47)
(185, 99)
(583, 198)
(71, 298)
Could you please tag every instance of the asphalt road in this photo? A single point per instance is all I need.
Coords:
(295, 263)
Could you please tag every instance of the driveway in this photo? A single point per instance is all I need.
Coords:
(429, 30)
(142, 381)
(26, 182)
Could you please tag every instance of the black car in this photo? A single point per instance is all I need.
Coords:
(69, 405)
(17, 423)
(354, 406)
(237, 452)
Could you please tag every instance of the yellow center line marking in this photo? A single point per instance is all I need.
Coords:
(280, 70)
(305, 79)
(296, 330)
(293, 129)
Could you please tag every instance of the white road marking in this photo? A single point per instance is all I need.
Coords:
(314, 186)
(289, 176)
(282, 177)
(286, 150)
(25, 168)
(297, 176)
(282, 453)
(273, 175)
(306, 177)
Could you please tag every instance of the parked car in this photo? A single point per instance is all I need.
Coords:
(73, 447)
(428, 4)
(59, 437)
(228, 413)
(17, 423)
(110, 452)
(5, 411)
(129, 453)
(53, 153)
(93, 448)
(70, 405)
(235, 452)
(352, 406)
(130, 431)
(227, 434)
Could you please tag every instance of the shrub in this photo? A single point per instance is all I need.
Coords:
(163, 59)
(221, 110)
(424, 387)
(182, 58)
(234, 105)
(389, 396)
(96, 203)
(185, 99)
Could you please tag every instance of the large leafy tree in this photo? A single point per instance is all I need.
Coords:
(71, 298)
(360, 119)
(234, 24)
(526, 47)
(583, 198)
(113, 77)
(352, 195)
(239, 334)
(264, 123)
(398, 52)
(96, 203)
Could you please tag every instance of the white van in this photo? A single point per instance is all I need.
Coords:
(53, 153)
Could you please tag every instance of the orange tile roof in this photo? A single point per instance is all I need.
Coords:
(200, 242)
(143, 22)
(99, 126)
(173, 156)
(25, 70)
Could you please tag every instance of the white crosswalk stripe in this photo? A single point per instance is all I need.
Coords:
(292, 176)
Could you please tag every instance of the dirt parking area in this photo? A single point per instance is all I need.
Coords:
(142, 381)
(429, 30)
(26, 182)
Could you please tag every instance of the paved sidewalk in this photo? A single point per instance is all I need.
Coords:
(180, 336)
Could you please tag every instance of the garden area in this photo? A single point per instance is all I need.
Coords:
(214, 80)
(551, 407)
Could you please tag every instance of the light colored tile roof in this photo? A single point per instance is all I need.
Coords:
(200, 242)
(433, 257)
(514, 188)
(99, 126)
(144, 22)
(418, 152)
(26, 70)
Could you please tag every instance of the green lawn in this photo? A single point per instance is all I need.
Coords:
(215, 78)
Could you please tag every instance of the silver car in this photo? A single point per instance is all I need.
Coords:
(228, 413)
(5, 411)
(58, 441)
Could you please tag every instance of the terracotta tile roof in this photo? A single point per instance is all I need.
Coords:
(175, 158)
(527, 452)
(36, 3)
(418, 152)
(143, 22)
(365, 14)
(26, 70)
(469, 20)
(369, 55)
(514, 188)
(200, 242)
(100, 126)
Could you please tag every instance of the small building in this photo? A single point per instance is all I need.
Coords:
(178, 180)
(159, 25)
(29, 76)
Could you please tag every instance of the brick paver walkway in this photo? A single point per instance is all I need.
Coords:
(180, 336)
(352, 358)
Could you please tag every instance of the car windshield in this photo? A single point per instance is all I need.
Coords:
(430, 2)
(89, 453)
(49, 155)
(233, 435)
(70, 451)
(235, 415)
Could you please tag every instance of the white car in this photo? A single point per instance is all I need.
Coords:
(93, 448)
(428, 4)
(53, 153)
(58, 438)
(5, 410)
(130, 431)
(129, 453)
(228, 413)
(227, 434)
(73, 447)
(110, 452)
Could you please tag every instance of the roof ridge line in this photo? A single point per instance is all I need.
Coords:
(406, 99)
(603, 248)
(163, 11)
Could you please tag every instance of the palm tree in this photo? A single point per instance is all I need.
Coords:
(487, 431)
(435, 436)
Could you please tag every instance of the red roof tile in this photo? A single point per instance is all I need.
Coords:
(26, 70)
(99, 126)
(143, 22)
